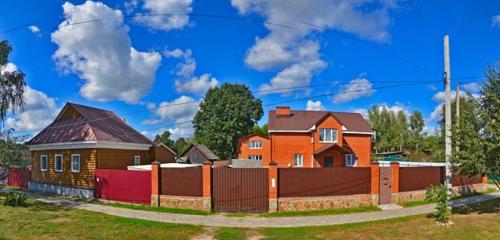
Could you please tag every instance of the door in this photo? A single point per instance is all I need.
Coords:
(240, 189)
(385, 185)
(328, 161)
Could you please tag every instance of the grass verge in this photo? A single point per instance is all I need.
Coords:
(370, 208)
(156, 209)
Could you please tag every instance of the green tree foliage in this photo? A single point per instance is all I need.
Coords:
(439, 195)
(226, 114)
(416, 126)
(392, 132)
(11, 85)
(261, 131)
(165, 139)
(181, 145)
(12, 153)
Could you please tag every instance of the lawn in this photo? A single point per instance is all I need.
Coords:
(370, 208)
(156, 209)
(44, 221)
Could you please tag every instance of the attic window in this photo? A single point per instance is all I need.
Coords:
(328, 135)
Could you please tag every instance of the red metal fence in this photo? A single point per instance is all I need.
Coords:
(459, 180)
(182, 182)
(418, 178)
(19, 177)
(123, 185)
(309, 182)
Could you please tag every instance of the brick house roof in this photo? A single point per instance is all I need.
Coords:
(300, 120)
(79, 123)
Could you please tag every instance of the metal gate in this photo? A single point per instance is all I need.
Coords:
(385, 185)
(240, 189)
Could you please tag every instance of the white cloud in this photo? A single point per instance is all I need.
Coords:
(362, 111)
(9, 67)
(356, 88)
(175, 13)
(437, 113)
(315, 106)
(495, 21)
(101, 53)
(439, 96)
(39, 111)
(294, 50)
(188, 82)
(396, 108)
(181, 111)
(471, 87)
(35, 30)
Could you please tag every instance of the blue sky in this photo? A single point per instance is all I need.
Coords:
(134, 65)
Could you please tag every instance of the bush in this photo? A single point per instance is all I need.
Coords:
(15, 199)
(439, 195)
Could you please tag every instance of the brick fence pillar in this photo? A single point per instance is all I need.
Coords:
(484, 179)
(207, 186)
(375, 181)
(395, 177)
(155, 184)
(273, 187)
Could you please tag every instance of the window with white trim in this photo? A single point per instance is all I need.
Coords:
(137, 160)
(58, 163)
(299, 160)
(328, 135)
(75, 163)
(350, 160)
(254, 144)
(255, 157)
(43, 162)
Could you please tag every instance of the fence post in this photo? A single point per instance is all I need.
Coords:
(375, 181)
(155, 184)
(484, 179)
(207, 186)
(395, 177)
(273, 187)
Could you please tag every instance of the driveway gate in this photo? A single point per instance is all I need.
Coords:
(240, 189)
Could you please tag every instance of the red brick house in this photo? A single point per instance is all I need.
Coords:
(81, 139)
(300, 138)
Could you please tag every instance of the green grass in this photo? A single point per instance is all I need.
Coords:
(370, 208)
(230, 234)
(456, 197)
(157, 209)
(45, 221)
(414, 203)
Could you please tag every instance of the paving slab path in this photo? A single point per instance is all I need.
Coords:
(261, 222)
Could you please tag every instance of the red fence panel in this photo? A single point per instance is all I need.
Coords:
(19, 177)
(309, 182)
(419, 178)
(182, 182)
(123, 185)
(459, 180)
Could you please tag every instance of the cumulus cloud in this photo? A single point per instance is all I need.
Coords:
(175, 13)
(39, 111)
(9, 67)
(471, 87)
(294, 51)
(101, 53)
(362, 111)
(188, 82)
(181, 111)
(35, 30)
(495, 21)
(315, 106)
(356, 88)
(439, 96)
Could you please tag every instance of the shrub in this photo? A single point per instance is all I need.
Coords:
(439, 195)
(15, 199)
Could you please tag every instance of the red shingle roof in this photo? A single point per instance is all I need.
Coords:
(88, 124)
(301, 120)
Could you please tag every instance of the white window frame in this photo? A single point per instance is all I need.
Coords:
(42, 158)
(252, 144)
(299, 157)
(55, 162)
(79, 163)
(255, 157)
(137, 160)
(351, 160)
(331, 131)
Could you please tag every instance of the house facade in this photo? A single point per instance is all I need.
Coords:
(82, 139)
(311, 139)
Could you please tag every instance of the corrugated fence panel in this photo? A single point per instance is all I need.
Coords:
(240, 189)
(419, 178)
(309, 182)
(123, 185)
(19, 177)
(182, 182)
(459, 180)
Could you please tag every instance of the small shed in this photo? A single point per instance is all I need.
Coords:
(197, 154)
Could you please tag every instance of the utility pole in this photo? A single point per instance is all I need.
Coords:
(457, 111)
(447, 113)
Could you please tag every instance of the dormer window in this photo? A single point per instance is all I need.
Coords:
(328, 135)
(254, 144)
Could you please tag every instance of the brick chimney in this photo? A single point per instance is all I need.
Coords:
(283, 111)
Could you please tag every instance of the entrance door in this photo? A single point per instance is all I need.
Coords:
(328, 161)
(385, 185)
